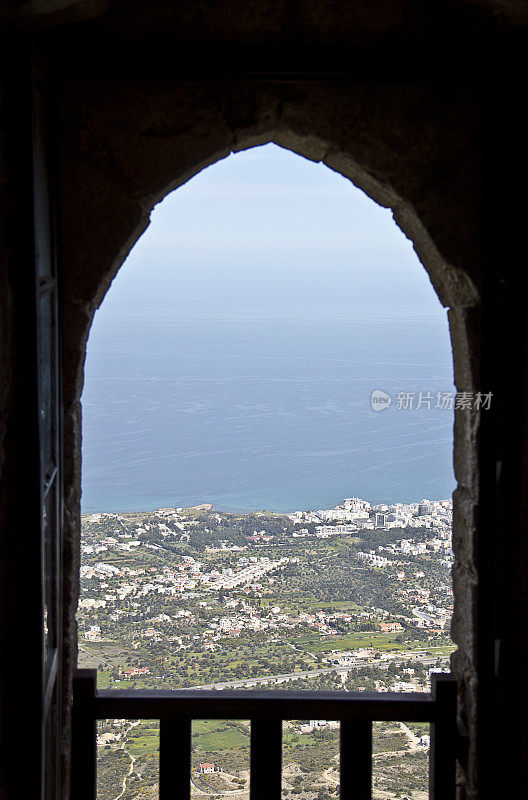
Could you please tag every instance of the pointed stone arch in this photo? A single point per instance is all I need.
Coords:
(140, 141)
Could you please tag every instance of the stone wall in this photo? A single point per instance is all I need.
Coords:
(20, 523)
(420, 105)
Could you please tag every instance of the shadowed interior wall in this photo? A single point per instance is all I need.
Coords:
(421, 105)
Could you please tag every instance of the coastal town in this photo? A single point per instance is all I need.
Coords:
(357, 597)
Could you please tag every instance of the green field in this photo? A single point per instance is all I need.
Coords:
(212, 736)
(353, 641)
(144, 740)
(381, 642)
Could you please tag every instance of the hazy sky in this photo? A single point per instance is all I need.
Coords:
(266, 221)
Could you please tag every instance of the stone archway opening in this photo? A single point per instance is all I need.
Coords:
(158, 154)
(446, 281)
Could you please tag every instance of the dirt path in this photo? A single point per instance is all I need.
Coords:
(127, 776)
(413, 738)
(131, 757)
(331, 779)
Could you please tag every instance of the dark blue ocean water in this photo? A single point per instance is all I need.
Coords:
(264, 405)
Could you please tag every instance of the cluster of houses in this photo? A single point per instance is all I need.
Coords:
(406, 547)
(137, 585)
(424, 613)
(107, 585)
(185, 576)
(355, 514)
(250, 570)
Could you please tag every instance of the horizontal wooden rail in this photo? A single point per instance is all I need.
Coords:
(356, 711)
(245, 704)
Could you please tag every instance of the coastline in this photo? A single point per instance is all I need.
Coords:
(207, 507)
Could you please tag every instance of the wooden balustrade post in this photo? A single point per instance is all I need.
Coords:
(175, 759)
(442, 756)
(356, 760)
(84, 736)
(266, 759)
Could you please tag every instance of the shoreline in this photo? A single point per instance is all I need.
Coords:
(208, 507)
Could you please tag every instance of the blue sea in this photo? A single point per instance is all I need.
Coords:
(264, 405)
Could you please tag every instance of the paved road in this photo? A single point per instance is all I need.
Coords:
(265, 679)
(314, 673)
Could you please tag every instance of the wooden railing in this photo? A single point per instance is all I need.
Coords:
(356, 711)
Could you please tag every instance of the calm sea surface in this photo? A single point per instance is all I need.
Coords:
(263, 406)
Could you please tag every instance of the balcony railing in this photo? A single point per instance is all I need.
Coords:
(356, 711)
